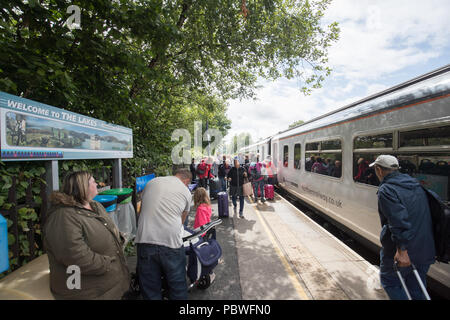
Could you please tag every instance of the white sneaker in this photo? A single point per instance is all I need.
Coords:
(212, 276)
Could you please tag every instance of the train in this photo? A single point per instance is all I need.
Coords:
(410, 121)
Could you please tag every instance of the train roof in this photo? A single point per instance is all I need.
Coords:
(249, 147)
(430, 84)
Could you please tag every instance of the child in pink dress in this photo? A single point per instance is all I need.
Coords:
(203, 204)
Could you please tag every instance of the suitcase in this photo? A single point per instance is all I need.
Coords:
(223, 204)
(214, 188)
(402, 281)
(269, 192)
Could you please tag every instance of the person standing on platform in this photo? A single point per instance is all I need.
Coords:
(222, 173)
(166, 203)
(236, 177)
(257, 179)
(79, 232)
(406, 235)
(192, 168)
(202, 173)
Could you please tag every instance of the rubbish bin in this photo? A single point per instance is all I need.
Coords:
(110, 204)
(125, 213)
(4, 258)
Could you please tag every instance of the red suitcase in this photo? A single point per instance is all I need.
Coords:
(268, 191)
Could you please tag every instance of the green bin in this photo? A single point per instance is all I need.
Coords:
(124, 213)
(124, 195)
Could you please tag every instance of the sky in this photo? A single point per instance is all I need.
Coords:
(382, 43)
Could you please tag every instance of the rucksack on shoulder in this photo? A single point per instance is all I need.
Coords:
(256, 174)
(440, 216)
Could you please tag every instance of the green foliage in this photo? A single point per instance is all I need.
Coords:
(296, 123)
(28, 176)
(156, 66)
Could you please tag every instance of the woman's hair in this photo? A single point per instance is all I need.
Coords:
(201, 196)
(75, 189)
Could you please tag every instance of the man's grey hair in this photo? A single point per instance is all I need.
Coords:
(386, 169)
(184, 174)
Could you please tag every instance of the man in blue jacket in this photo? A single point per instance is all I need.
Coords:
(406, 235)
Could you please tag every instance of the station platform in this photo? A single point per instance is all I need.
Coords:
(282, 254)
(275, 253)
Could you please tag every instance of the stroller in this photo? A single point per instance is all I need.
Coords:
(203, 254)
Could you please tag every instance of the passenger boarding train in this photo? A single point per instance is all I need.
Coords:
(410, 121)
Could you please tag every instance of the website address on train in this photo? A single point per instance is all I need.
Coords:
(228, 309)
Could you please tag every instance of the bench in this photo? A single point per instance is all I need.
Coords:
(29, 282)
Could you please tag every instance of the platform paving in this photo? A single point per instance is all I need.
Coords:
(277, 252)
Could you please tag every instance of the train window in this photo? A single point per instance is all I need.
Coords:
(331, 145)
(297, 155)
(275, 154)
(432, 170)
(371, 142)
(329, 163)
(362, 173)
(425, 137)
(325, 158)
(312, 146)
(285, 156)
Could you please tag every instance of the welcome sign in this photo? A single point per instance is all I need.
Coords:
(31, 130)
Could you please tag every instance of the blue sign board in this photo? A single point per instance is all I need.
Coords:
(30, 130)
(141, 182)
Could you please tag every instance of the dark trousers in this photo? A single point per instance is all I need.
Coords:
(241, 203)
(393, 287)
(203, 182)
(154, 261)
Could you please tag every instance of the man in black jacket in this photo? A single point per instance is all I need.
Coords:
(192, 168)
(236, 177)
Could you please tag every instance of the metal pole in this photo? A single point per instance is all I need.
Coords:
(419, 280)
(117, 173)
(51, 177)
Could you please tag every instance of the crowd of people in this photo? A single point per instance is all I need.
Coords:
(78, 231)
(327, 167)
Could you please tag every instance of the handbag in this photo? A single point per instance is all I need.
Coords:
(247, 189)
(208, 252)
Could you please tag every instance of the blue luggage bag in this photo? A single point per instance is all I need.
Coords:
(223, 204)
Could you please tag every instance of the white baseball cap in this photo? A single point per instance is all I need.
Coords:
(386, 161)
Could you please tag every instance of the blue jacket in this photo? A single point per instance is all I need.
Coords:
(405, 220)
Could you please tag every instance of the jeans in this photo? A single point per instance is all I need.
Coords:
(154, 261)
(241, 203)
(223, 184)
(260, 185)
(393, 287)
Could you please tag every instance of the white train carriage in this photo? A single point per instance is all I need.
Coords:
(410, 121)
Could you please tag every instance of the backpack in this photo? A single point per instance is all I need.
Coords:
(201, 169)
(440, 217)
(256, 174)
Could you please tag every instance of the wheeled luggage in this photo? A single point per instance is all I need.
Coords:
(214, 188)
(223, 204)
(419, 280)
(269, 192)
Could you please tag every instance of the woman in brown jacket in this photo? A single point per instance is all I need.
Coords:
(79, 234)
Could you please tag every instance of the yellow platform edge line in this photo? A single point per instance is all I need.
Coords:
(294, 279)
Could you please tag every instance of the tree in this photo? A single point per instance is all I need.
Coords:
(155, 66)
(296, 123)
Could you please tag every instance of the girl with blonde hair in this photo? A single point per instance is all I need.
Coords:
(203, 204)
